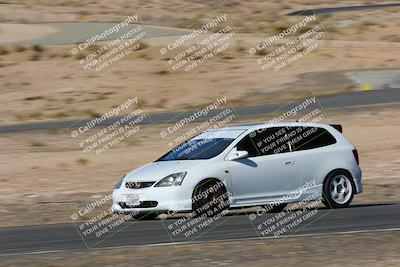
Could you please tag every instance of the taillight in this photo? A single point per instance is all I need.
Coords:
(355, 153)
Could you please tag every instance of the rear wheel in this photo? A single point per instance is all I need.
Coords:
(210, 198)
(338, 190)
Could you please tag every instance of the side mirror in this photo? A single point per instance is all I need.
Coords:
(238, 154)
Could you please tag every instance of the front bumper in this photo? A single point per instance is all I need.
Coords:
(152, 199)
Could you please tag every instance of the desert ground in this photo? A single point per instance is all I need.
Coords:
(49, 83)
(48, 174)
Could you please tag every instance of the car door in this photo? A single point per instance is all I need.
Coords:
(309, 152)
(269, 172)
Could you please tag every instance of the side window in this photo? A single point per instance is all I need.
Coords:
(248, 145)
(311, 137)
(267, 141)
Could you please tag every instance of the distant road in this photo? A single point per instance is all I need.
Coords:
(328, 10)
(345, 100)
(64, 237)
(80, 32)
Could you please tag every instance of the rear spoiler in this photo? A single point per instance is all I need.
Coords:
(337, 127)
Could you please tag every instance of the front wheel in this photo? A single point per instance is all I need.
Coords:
(210, 198)
(338, 190)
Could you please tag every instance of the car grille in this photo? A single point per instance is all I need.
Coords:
(143, 204)
(138, 185)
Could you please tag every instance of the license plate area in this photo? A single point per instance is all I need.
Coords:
(133, 200)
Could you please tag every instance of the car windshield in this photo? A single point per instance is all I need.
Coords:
(204, 146)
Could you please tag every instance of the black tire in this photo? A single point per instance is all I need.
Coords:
(332, 200)
(210, 198)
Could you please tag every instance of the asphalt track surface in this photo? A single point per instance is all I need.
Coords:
(261, 112)
(65, 237)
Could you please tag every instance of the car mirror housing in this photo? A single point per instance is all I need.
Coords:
(238, 154)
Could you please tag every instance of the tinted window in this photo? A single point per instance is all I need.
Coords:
(266, 141)
(310, 137)
(248, 145)
(198, 149)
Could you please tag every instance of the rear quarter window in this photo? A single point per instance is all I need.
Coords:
(310, 138)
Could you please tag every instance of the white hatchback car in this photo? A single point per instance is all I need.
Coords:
(243, 166)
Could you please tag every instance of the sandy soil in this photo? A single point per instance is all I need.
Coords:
(41, 91)
(49, 83)
(18, 32)
(378, 249)
(60, 177)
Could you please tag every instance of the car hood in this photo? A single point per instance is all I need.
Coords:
(157, 170)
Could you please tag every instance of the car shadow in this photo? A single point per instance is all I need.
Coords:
(247, 211)
(364, 205)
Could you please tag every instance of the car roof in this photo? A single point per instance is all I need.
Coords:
(255, 126)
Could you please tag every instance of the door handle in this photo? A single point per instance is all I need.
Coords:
(288, 162)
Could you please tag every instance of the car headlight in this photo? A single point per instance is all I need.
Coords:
(172, 180)
(118, 185)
